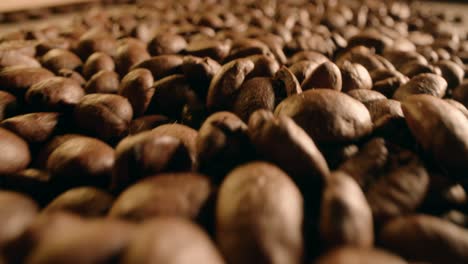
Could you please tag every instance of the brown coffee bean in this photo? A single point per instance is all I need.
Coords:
(222, 143)
(414, 68)
(95, 41)
(17, 212)
(171, 94)
(313, 56)
(245, 47)
(171, 194)
(206, 47)
(72, 75)
(323, 115)
(57, 59)
(97, 62)
(425, 238)
(365, 95)
(106, 116)
(389, 86)
(137, 87)
(129, 55)
(40, 161)
(303, 69)
(44, 225)
(15, 152)
(8, 105)
(23, 47)
(382, 74)
(171, 240)
(17, 59)
(354, 255)
(18, 79)
(54, 94)
(34, 127)
(326, 75)
(146, 154)
(147, 122)
(103, 82)
(265, 66)
(426, 83)
(166, 44)
(226, 83)
(200, 72)
(345, 218)
(371, 39)
(254, 94)
(85, 242)
(440, 129)
(355, 76)
(384, 108)
(363, 57)
(245, 190)
(45, 46)
(452, 73)
(161, 66)
(285, 84)
(82, 201)
(279, 139)
(32, 182)
(81, 161)
(400, 58)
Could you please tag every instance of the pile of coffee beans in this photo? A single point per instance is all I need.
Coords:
(280, 132)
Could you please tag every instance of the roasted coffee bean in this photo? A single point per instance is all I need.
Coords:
(200, 72)
(106, 116)
(85, 242)
(81, 161)
(264, 66)
(326, 75)
(137, 87)
(34, 127)
(183, 242)
(57, 59)
(245, 190)
(426, 83)
(303, 69)
(355, 76)
(285, 84)
(54, 94)
(441, 130)
(8, 105)
(162, 195)
(166, 44)
(66, 73)
(82, 201)
(452, 73)
(17, 211)
(97, 62)
(129, 55)
(15, 152)
(371, 39)
(184, 133)
(19, 79)
(205, 47)
(147, 122)
(400, 58)
(388, 86)
(245, 47)
(95, 41)
(414, 68)
(355, 255)
(254, 94)
(346, 217)
(364, 95)
(222, 143)
(383, 108)
(161, 66)
(103, 82)
(327, 115)
(425, 238)
(281, 141)
(146, 154)
(41, 227)
(314, 56)
(226, 83)
(18, 59)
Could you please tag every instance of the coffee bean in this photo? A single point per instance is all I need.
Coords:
(19, 79)
(97, 62)
(95, 41)
(81, 161)
(346, 218)
(451, 72)
(54, 94)
(18, 59)
(383, 108)
(166, 44)
(57, 59)
(72, 75)
(129, 55)
(184, 133)
(106, 116)
(183, 242)
(161, 66)
(254, 94)
(200, 72)
(323, 115)
(247, 189)
(34, 127)
(425, 238)
(137, 87)
(15, 152)
(147, 122)
(355, 76)
(163, 195)
(389, 86)
(414, 68)
(205, 47)
(426, 83)
(326, 75)
(103, 82)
